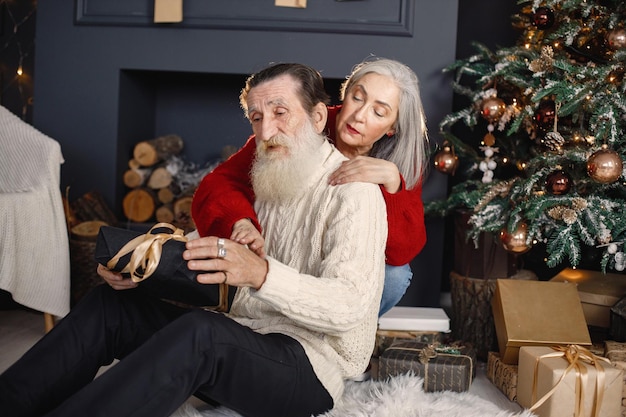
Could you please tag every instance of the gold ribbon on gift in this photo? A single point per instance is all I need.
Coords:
(146, 251)
(576, 356)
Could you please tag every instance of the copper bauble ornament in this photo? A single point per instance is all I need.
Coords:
(604, 166)
(558, 182)
(515, 241)
(545, 114)
(616, 39)
(543, 18)
(446, 161)
(492, 109)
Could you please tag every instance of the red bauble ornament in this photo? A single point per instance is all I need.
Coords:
(446, 161)
(605, 166)
(545, 114)
(616, 39)
(515, 241)
(492, 109)
(558, 182)
(543, 18)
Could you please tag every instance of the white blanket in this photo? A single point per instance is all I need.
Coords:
(34, 247)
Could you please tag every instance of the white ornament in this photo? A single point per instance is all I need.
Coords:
(612, 249)
(488, 152)
(483, 166)
(492, 165)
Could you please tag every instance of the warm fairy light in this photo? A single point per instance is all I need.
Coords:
(527, 46)
(505, 160)
(588, 97)
(19, 71)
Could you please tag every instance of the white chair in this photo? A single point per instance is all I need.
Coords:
(34, 248)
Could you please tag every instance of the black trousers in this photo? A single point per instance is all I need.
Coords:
(166, 354)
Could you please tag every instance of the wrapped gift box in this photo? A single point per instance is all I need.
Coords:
(617, 320)
(598, 292)
(385, 338)
(528, 313)
(502, 375)
(563, 400)
(443, 367)
(616, 353)
(415, 319)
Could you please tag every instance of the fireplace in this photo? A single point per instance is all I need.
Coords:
(107, 77)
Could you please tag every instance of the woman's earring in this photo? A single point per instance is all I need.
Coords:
(390, 134)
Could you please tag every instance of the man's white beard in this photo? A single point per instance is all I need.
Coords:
(279, 177)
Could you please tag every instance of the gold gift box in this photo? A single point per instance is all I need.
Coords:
(563, 401)
(531, 313)
(597, 291)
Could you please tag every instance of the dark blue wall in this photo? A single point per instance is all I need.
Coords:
(108, 78)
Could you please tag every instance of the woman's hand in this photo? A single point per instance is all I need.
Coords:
(239, 266)
(368, 169)
(245, 233)
(115, 279)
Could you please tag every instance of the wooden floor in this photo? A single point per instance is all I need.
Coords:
(20, 329)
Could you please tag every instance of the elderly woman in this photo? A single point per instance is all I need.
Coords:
(381, 127)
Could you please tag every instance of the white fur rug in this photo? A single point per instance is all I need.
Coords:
(401, 396)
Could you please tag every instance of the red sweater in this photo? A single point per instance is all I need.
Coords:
(225, 196)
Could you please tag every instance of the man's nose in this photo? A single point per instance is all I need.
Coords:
(268, 128)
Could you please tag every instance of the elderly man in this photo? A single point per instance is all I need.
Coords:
(303, 318)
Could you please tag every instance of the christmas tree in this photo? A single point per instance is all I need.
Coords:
(537, 155)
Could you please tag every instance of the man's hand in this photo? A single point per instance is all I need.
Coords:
(239, 267)
(245, 233)
(368, 169)
(115, 279)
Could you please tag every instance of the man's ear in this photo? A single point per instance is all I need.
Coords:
(320, 116)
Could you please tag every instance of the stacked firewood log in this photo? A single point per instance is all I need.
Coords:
(157, 190)
(84, 216)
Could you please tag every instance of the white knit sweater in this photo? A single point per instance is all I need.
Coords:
(326, 272)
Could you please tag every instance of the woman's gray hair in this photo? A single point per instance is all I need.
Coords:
(408, 147)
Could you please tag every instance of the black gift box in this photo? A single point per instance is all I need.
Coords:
(617, 326)
(444, 368)
(171, 280)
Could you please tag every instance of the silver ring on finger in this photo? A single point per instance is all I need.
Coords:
(221, 250)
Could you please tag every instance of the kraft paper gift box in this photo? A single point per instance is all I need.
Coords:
(443, 367)
(171, 280)
(502, 375)
(530, 313)
(549, 369)
(598, 292)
